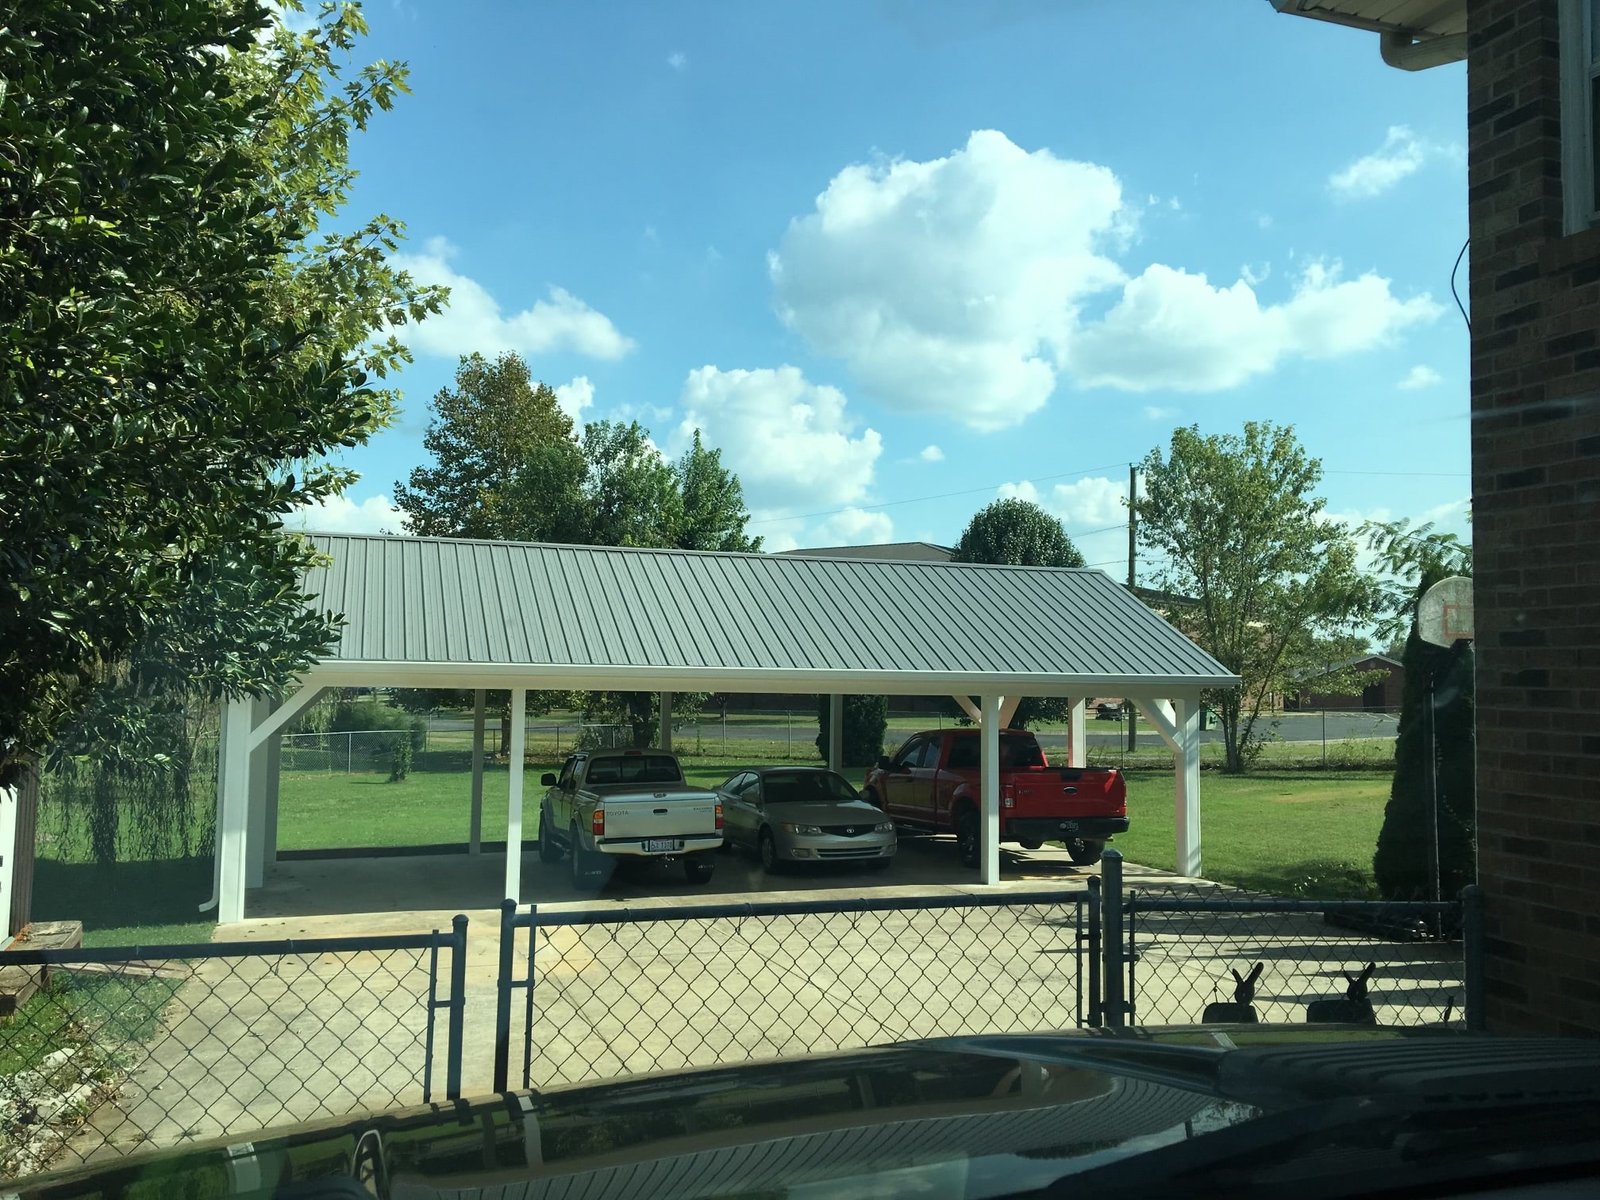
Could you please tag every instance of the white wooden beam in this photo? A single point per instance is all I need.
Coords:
(293, 705)
(269, 847)
(519, 739)
(1186, 798)
(1008, 709)
(233, 812)
(475, 820)
(835, 732)
(965, 704)
(256, 825)
(989, 775)
(1159, 714)
(1077, 735)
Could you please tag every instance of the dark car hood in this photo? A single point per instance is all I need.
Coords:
(970, 1117)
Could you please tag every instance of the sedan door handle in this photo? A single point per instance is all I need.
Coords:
(660, 812)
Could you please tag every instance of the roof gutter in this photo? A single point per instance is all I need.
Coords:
(1411, 53)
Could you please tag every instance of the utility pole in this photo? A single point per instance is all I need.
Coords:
(1133, 533)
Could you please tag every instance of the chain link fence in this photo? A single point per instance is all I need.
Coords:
(613, 993)
(131, 1048)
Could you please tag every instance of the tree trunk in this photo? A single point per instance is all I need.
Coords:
(1233, 752)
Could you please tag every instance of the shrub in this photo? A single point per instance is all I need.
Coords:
(866, 718)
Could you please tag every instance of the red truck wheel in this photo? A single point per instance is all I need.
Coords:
(967, 837)
(1084, 854)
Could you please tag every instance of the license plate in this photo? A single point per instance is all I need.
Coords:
(660, 845)
(1068, 827)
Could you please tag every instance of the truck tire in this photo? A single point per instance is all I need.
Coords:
(698, 870)
(967, 847)
(585, 878)
(1029, 843)
(1084, 854)
(768, 849)
(549, 848)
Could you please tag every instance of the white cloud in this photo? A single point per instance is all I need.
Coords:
(1401, 154)
(931, 454)
(1419, 377)
(574, 397)
(947, 284)
(1263, 220)
(959, 285)
(1158, 412)
(792, 443)
(1255, 276)
(1092, 502)
(678, 60)
(1172, 329)
(473, 320)
(340, 514)
(853, 527)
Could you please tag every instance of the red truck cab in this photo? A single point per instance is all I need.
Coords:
(932, 782)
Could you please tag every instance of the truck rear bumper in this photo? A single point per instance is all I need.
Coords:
(640, 847)
(1047, 829)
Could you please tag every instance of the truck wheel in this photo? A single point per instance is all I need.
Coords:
(770, 862)
(585, 878)
(697, 870)
(967, 837)
(1029, 843)
(1084, 854)
(549, 848)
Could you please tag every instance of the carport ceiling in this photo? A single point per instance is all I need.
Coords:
(452, 613)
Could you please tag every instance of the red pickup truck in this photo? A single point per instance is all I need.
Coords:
(931, 782)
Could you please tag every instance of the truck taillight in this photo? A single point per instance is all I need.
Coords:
(719, 816)
(597, 823)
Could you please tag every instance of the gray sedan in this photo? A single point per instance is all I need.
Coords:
(794, 815)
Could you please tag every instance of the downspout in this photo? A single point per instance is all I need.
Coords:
(1408, 53)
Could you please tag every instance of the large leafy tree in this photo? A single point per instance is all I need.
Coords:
(496, 423)
(633, 494)
(714, 515)
(178, 339)
(1233, 521)
(1019, 533)
(1438, 680)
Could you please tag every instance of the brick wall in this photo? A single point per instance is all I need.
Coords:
(1536, 532)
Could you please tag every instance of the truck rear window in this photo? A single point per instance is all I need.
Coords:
(1014, 752)
(642, 768)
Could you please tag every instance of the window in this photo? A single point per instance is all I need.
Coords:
(910, 752)
(1580, 113)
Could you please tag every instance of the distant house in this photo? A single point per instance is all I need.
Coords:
(894, 551)
(1382, 694)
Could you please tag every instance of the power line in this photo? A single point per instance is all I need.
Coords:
(1409, 474)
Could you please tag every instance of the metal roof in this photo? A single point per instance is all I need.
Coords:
(1419, 18)
(454, 613)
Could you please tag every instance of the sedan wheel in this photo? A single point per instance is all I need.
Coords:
(769, 853)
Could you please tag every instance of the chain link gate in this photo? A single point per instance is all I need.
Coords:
(626, 991)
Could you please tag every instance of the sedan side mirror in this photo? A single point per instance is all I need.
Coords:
(883, 763)
(548, 779)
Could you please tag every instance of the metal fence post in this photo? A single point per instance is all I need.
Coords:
(1472, 954)
(502, 1003)
(458, 1006)
(1111, 981)
(1095, 964)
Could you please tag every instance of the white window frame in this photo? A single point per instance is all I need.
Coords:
(1580, 65)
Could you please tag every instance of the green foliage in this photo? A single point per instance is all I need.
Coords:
(632, 492)
(484, 431)
(1018, 533)
(400, 760)
(866, 718)
(167, 298)
(1401, 863)
(1234, 522)
(714, 515)
(1408, 556)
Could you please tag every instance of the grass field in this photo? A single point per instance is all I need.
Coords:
(1303, 833)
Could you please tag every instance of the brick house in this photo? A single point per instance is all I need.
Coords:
(1533, 118)
(1382, 693)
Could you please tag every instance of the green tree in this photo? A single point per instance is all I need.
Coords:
(631, 490)
(1439, 679)
(714, 515)
(177, 337)
(1019, 533)
(484, 432)
(1233, 521)
(866, 718)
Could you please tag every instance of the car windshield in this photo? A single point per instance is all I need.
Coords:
(806, 787)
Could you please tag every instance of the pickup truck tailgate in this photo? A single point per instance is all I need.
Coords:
(1049, 791)
(672, 813)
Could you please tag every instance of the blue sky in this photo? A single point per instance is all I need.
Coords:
(898, 257)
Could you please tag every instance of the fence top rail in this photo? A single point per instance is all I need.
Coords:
(1157, 902)
(265, 949)
(797, 908)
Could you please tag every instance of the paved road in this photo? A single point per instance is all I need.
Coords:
(1291, 727)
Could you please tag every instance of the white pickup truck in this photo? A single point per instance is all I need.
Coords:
(610, 806)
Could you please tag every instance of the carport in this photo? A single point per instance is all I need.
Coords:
(446, 613)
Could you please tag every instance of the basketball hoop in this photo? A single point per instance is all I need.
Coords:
(1444, 615)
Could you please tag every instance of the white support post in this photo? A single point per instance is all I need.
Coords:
(269, 845)
(1077, 735)
(1186, 798)
(256, 828)
(835, 732)
(233, 811)
(1008, 709)
(967, 706)
(519, 738)
(989, 774)
(666, 721)
(475, 826)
